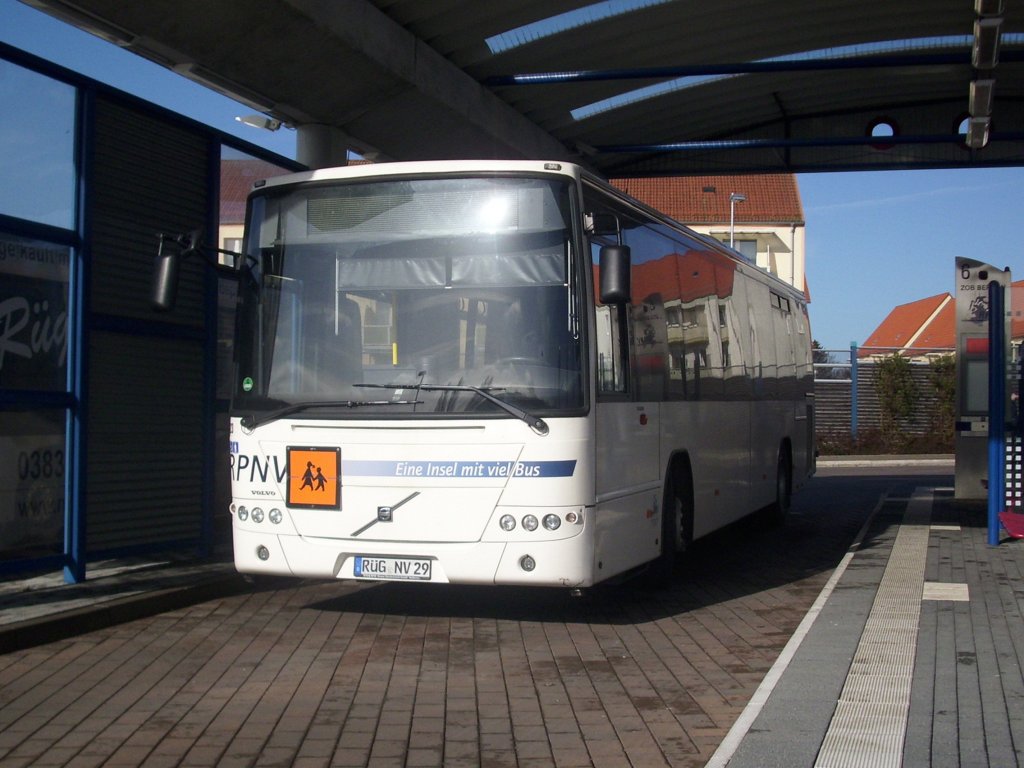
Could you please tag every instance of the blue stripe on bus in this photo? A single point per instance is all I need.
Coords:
(463, 469)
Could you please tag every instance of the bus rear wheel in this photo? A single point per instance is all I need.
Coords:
(779, 510)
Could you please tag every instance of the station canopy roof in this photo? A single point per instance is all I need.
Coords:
(627, 87)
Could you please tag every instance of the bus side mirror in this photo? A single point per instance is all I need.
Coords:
(165, 281)
(174, 248)
(603, 224)
(614, 264)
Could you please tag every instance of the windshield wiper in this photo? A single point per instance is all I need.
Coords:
(535, 423)
(253, 420)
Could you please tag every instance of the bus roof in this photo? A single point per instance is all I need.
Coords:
(431, 167)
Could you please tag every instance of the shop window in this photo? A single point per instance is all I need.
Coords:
(33, 314)
(32, 470)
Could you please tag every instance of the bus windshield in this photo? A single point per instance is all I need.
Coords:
(412, 297)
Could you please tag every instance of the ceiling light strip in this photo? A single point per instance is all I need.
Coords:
(866, 61)
(564, 22)
(840, 141)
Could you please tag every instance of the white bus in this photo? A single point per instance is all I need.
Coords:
(501, 373)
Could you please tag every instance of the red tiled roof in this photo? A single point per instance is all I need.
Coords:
(899, 327)
(940, 333)
(771, 198)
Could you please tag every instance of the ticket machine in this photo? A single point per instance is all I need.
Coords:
(973, 279)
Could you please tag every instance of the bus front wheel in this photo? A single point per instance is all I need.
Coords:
(676, 524)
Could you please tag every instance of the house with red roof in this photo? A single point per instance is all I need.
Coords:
(928, 326)
(767, 225)
(922, 325)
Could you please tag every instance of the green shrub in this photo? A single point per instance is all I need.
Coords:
(943, 378)
(897, 394)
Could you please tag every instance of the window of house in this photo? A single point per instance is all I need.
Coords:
(747, 247)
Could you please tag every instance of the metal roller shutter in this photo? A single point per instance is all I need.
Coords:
(145, 448)
(145, 415)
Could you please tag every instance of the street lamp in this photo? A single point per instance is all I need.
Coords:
(260, 121)
(734, 197)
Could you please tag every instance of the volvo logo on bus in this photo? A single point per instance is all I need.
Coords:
(385, 514)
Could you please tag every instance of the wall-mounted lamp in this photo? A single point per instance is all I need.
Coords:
(981, 97)
(985, 51)
(977, 132)
(260, 121)
(734, 197)
(988, 7)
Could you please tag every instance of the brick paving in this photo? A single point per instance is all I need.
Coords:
(353, 674)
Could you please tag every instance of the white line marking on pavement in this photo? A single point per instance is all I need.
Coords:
(739, 729)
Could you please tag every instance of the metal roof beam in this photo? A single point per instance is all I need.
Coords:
(750, 67)
(368, 31)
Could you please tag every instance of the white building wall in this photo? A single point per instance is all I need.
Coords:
(781, 249)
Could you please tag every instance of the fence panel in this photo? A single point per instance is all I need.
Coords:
(846, 391)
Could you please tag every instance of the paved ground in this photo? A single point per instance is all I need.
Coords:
(344, 674)
(932, 681)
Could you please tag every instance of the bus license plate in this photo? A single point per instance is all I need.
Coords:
(415, 569)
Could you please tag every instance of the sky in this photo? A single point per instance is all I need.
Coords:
(875, 240)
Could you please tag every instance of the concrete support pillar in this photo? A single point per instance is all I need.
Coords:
(321, 146)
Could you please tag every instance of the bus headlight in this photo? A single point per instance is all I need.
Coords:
(507, 523)
(257, 515)
(275, 516)
(552, 522)
(243, 514)
(530, 522)
(527, 563)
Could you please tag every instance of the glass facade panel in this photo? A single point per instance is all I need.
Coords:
(32, 471)
(33, 314)
(38, 139)
(38, 168)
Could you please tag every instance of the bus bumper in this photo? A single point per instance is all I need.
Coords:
(559, 563)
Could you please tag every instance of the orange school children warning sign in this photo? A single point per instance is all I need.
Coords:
(314, 478)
